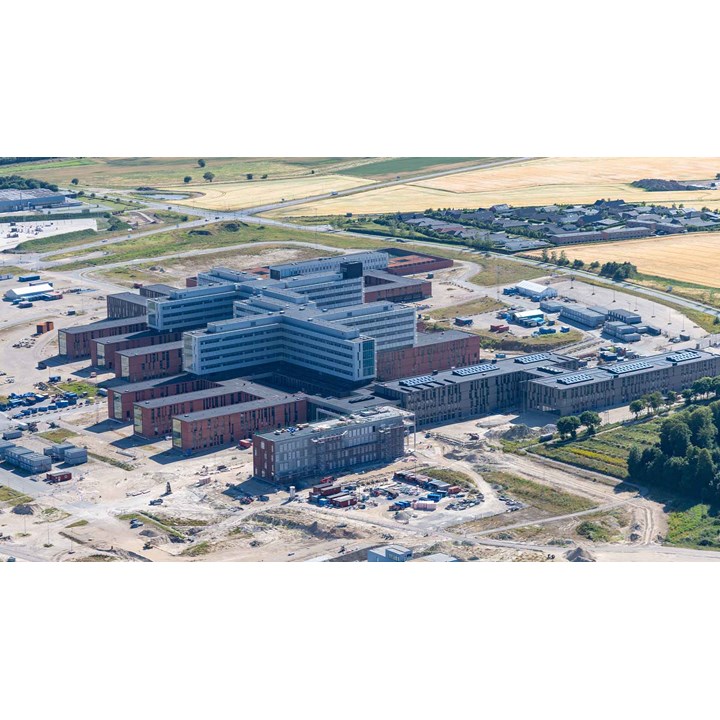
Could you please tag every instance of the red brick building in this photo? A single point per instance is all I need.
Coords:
(381, 285)
(433, 351)
(122, 397)
(402, 263)
(74, 342)
(146, 363)
(103, 351)
(227, 425)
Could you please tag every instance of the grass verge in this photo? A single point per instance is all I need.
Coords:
(13, 497)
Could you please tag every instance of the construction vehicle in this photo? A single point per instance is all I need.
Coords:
(156, 501)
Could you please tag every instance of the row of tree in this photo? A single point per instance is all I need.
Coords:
(17, 182)
(686, 459)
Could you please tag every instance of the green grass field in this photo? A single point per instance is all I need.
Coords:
(543, 497)
(133, 172)
(606, 452)
(177, 241)
(499, 271)
(696, 527)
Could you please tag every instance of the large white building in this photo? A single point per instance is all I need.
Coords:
(341, 343)
(535, 290)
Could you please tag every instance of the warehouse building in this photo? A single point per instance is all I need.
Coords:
(432, 351)
(222, 426)
(619, 383)
(32, 292)
(125, 305)
(33, 199)
(535, 290)
(467, 392)
(74, 342)
(146, 363)
(292, 454)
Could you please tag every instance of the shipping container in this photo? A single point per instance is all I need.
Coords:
(28, 278)
(424, 505)
(58, 476)
(12, 434)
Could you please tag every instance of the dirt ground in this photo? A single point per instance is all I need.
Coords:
(42, 228)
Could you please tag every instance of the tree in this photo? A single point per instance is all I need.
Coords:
(74, 181)
(702, 427)
(187, 179)
(568, 425)
(201, 163)
(687, 396)
(591, 420)
(634, 462)
(675, 438)
(654, 400)
(702, 386)
(716, 386)
(670, 398)
(209, 176)
(636, 407)
(249, 176)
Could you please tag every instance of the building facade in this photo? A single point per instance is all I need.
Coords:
(370, 436)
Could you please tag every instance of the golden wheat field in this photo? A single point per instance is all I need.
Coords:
(535, 182)
(235, 196)
(693, 257)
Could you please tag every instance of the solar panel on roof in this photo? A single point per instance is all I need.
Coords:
(683, 355)
(474, 369)
(572, 379)
(628, 367)
(525, 359)
(412, 382)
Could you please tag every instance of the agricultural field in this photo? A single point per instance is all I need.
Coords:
(133, 172)
(691, 257)
(392, 167)
(535, 182)
(251, 193)
(606, 452)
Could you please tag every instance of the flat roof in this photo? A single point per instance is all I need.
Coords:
(126, 387)
(434, 338)
(13, 194)
(130, 297)
(359, 417)
(162, 347)
(237, 408)
(499, 367)
(102, 324)
(259, 391)
(589, 376)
